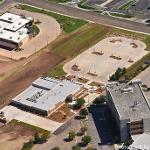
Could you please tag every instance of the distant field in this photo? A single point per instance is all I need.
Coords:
(68, 24)
(73, 44)
(76, 42)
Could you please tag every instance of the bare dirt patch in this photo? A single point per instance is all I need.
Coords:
(13, 137)
(62, 114)
(17, 82)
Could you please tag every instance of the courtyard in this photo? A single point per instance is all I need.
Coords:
(101, 60)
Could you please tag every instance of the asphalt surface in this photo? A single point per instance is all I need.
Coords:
(91, 16)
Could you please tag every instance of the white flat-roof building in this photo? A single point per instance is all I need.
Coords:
(45, 94)
(13, 30)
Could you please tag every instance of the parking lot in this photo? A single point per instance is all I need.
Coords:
(101, 61)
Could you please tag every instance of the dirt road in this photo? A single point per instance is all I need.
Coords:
(32, 69)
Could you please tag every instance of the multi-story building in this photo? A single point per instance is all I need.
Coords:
(130, 108)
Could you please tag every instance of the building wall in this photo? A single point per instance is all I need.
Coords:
(146, 125)
(122, 124)
(124, 130)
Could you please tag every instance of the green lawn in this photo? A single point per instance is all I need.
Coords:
(68, 24)
(57, 71)
(127, 5)
(120, 15)
(35, 30)
(73, 44)
(76, 42)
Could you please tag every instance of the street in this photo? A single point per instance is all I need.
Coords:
(87, 15)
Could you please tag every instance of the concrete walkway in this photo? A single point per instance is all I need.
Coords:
(12, 112)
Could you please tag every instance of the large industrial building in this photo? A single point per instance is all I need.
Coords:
(14, 30)
(130, 108)
(45, 95)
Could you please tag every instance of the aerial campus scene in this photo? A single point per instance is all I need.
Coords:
(74, 74)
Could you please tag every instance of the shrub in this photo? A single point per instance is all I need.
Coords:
(55, 148)
(118, 74)
(80, 103)
(83, 112)
(86, 140)
(100, 100)
(76, 147)
(72, 135)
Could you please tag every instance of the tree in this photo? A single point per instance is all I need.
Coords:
(80, 103)
(86, 140)
(83, 112)
(99, 100)
(55, 148)
(72, 135)
(28, 145)
(76, 147)
(83, 129)
(118, 74)
(37, 138)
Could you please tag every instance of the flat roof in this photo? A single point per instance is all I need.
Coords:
(129, 100)
(17, 24)
(45, 93)
(12, 27)
(9, 17)
(14, 36)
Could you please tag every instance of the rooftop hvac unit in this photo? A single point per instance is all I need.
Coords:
(127, 90)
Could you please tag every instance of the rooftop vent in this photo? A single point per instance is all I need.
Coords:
(127, 90)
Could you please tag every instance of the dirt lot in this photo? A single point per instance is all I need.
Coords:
(29, 71)
(62, 114)
(14, 139)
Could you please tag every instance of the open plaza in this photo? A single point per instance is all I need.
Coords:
(101, 60)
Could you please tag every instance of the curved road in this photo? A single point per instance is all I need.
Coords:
(91, 16)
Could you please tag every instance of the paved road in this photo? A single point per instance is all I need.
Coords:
(91, 16)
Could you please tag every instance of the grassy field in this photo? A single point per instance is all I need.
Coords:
(73, 44)
(57, 71)
(68, 24)
(37, 129)
(76, 42)
(127, 5)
